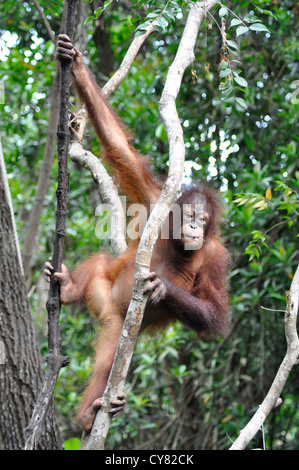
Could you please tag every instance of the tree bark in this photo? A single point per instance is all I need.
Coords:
(21, 369)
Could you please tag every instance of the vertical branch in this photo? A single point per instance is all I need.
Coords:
(53, 303)
(185, 54)
(55, 360)
(45, 21)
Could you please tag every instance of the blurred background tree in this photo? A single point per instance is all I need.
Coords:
(184, 393)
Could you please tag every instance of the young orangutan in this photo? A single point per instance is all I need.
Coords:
(184, 284)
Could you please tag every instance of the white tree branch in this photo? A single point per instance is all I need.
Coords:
(290, 359)
(125, 66)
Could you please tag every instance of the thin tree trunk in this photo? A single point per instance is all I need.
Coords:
(20, 361)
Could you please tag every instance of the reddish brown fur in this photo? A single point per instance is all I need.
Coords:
(193, 284)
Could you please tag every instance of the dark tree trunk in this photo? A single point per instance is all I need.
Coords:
(21, 369)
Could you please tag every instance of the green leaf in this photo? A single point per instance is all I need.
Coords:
(251, 19)
(72, 444)
(226, 93)
(236, 22)
(230, 101)
(224, 65)
(241, 102)
(241, 30)
(182, 368)
(266, 12)
(91, 18)
(226, 97)
(259, 27)
(163, 23)
(152, 16)
(98, 11)
(170, 16)
(232, 44)
(160, 132)
(277, 296)
(223, 11)
(249, 142)
(241, 81)
(224, 73)
(226, 88)
(143, 26)
(158, 28)
(139, 33)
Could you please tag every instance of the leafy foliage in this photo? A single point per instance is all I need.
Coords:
(243, 139)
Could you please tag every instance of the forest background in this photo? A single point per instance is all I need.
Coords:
(183, 392)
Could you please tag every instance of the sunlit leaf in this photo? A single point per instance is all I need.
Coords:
(259, 27)
(241, 30)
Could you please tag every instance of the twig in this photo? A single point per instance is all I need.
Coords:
(290, 359)
(273, 310)
(184, 57)
(55, 360)
(125, 66)
(45, 21)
